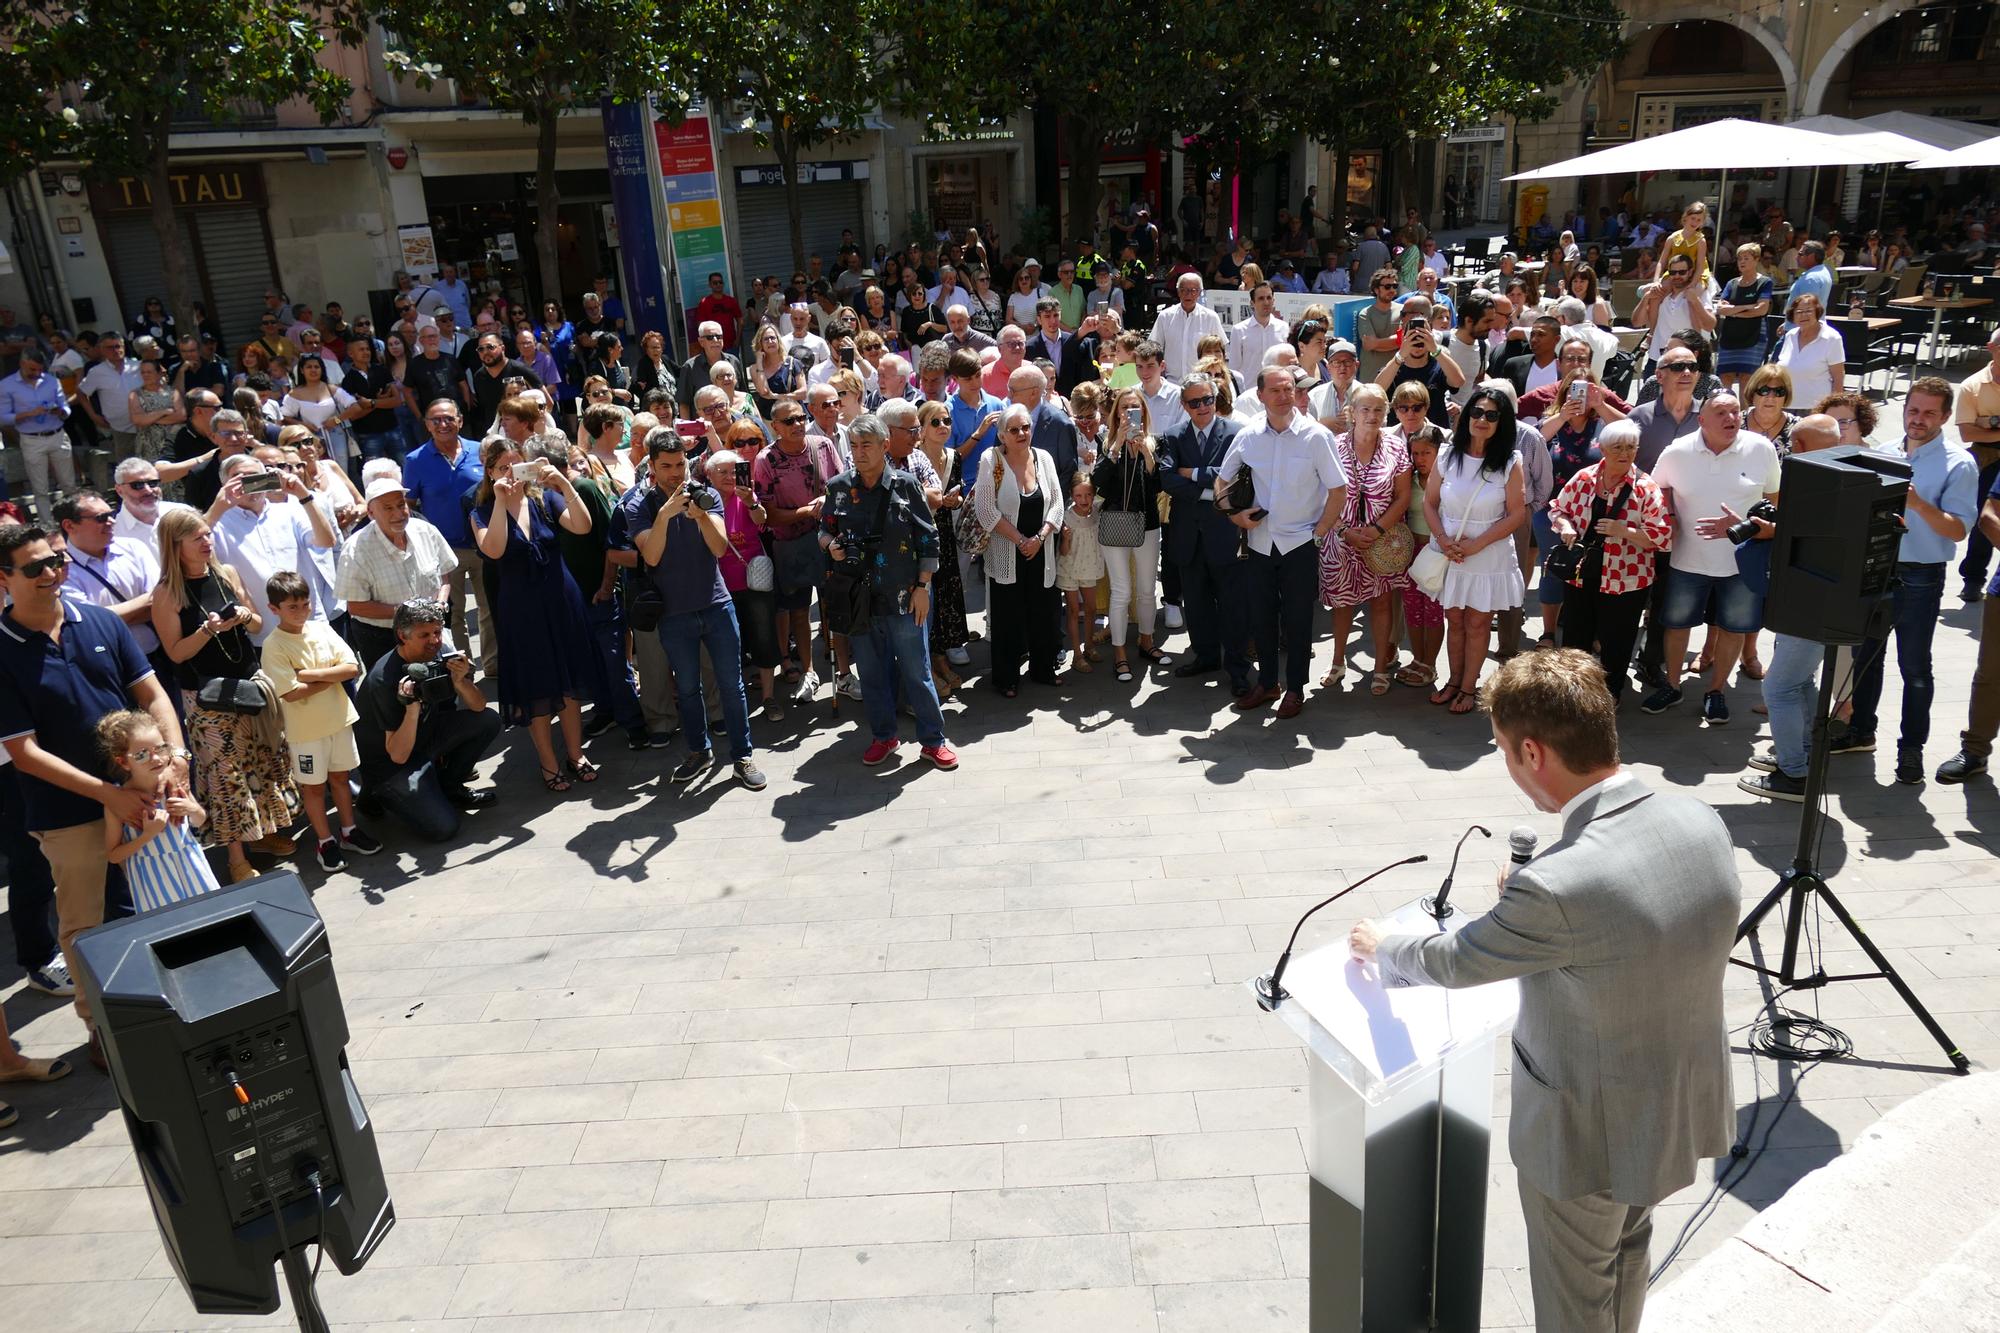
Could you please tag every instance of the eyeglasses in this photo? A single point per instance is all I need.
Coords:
(1771, 391)
(147, 754)
(1845, 421)
(105, 519)
(1022, 429)
(144, 484)
(34, 569)
(1413, 407)
(1677, 367)
(1206, 400)
(1481, 414)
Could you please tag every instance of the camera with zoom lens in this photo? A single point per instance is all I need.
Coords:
(700, 494)
(431, 680)
(1744, 531)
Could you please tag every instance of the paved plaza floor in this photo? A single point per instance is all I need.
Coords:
(899, 1049)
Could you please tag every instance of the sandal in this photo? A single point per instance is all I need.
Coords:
(8, 1115)
(1153, 655)
(1124, 670)
(1335, 675)
(554, 780)
(1079, 662)
(1378, 683)
(1416, 675)
(1469, 702)
(37, 1071)
(582, 769)
(1753, 671)
(1444, 694)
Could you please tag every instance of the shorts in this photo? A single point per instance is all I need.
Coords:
(1701, 599)
(312, 761)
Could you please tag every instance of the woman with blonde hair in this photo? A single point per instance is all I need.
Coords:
(1764, 400)
(1377, 465)
(1127, 481)
(242, 771)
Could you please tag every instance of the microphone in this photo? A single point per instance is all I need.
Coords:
(1438, 906)
(1270, 994)
(1521, 845)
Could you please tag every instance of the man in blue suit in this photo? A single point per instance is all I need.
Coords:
(1074, 361)
(1202, 540)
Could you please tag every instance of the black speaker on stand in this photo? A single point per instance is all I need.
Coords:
(224, 1031)
(1833, 568)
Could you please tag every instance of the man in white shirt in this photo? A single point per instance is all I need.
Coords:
(1179, 328)
(801, 334)
(259, 534)
(395, 558)
(1721, 466)
(947, 292)
(1677, 301)
(1300, 491)
(105, 393)
(1262, 329)
(1163, 394)
(1576, 327)
(1330, 400)
(140, 506)
(113, 572)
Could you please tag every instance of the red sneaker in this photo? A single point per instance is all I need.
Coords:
(877, 752)
(941, 755)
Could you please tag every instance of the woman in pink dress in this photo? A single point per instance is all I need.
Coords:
(1378, 497)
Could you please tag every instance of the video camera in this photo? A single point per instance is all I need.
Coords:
(432, 680)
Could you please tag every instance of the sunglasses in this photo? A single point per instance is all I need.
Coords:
(1481, 414)
(790, 421)
(105, 519)
(1411, 407)
(1677, 367)
(1206, 400)
(34, 569)
(1770, 391)
(148, 484)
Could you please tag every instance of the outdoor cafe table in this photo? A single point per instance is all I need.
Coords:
(1937, 309)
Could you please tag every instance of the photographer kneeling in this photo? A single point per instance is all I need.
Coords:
(423, 727)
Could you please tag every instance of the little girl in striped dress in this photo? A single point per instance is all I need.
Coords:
(163, 862)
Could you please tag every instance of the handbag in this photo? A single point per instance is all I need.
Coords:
(1392, 552)
(227, 694)
(973, 536)
(1126, 526)
(1565, 562)
(1427, 571)
(645, 605)
(761, 573)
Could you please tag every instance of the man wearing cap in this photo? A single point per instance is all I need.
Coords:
(1330, 400)
(1287, 278)
(397, 557)
(32, 403)
(1180, 328)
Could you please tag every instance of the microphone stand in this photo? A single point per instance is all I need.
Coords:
(1270, 994)
(1438, 908)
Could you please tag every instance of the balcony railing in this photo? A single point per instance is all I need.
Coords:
(241, 113)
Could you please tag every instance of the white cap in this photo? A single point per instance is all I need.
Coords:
(382, 486)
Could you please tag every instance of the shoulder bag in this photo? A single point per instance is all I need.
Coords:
(1566, 559)
(1427, 571)
(1124, 526)
(229, 694)
(973, 538)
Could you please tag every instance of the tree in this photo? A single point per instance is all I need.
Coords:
(806, 72)
(540, 58)
(122, 71)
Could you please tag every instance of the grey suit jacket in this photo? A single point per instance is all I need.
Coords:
(1619, 934)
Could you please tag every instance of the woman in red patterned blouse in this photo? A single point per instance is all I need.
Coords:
(1621, 517)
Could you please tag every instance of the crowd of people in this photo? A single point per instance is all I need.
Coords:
(318, 577)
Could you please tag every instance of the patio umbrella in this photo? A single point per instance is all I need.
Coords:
(1719, 145)
(1891, 146)
(1985, 153)
(1937, 131)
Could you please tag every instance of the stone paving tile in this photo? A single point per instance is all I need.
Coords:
(816, 1062)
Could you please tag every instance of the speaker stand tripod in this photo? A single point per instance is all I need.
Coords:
(1802, 883)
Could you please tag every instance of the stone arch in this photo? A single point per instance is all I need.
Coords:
(1788, 70)
(1880, 12)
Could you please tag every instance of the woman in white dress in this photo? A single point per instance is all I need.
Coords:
(1813, 351)
(321, 406)
(1474, 502)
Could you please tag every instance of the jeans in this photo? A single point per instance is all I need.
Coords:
(31, 887)
(1979, 551)
(1791, 693)
(1916, 596)
(684, 636)
(390, 444)
(1284, 593)
(415, 793)
(894, 652)
(607, 636)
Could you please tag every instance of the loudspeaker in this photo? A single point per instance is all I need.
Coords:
(1840, 525)
(223, 1028)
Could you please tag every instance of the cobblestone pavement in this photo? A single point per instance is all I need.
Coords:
(908, 1050)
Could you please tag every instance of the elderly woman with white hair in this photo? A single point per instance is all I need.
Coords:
(1018, 497)
(1618, 517)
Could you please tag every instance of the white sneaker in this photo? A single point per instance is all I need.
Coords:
(958, 656)
(808, 685)
(849, 684)
(52, 978)
(1173, 616)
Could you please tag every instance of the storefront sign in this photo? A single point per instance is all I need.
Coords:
(694, 202)
(196, 187)
(1479, 134)
(508, 248)
(629, 226)
(810, 173)
(419, 249)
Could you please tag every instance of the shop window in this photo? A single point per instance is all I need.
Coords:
(1942, 34)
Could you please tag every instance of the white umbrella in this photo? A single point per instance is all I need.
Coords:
(1985, 153)
(1887, 146)
(1719, 145)
(1937, 131)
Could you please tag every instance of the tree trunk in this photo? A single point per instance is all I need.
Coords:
(547, 263)
(1338, 207)
(1085, 141)
(787, 149)
(180, 296)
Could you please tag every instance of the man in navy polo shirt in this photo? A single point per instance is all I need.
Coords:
(678, 531)
(437, 475)
(63, 666)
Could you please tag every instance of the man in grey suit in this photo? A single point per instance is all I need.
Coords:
(1621, 1058)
